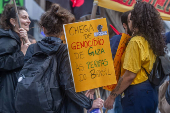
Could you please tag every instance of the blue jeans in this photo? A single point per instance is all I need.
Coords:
(109, 111)
(140, 98)
(118, 106)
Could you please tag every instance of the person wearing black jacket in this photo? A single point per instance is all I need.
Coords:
(12, 52)
(52, 24)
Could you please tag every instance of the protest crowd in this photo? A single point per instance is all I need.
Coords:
(48, 76)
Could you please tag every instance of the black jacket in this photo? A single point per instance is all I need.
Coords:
(11, 61)
(73, 102)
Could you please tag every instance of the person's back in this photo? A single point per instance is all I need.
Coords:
(49, 65)
(72, 102)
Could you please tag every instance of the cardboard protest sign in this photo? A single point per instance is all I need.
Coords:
(117, 60)
(90, 54)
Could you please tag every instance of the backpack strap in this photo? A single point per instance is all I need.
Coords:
(153, 66)
(146, 72)
(57, 55)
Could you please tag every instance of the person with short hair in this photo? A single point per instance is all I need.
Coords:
(114, 41)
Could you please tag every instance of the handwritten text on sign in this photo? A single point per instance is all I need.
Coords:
(90, 54)
(117, 60)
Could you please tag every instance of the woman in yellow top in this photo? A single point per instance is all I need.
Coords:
(138, 95)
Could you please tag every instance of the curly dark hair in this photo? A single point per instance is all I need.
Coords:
(54, 18)
(7, 14)
(147, 20)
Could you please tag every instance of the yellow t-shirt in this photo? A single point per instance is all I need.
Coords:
(138, 54)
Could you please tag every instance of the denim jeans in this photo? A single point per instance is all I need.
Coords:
(140, 98)
(118, 107)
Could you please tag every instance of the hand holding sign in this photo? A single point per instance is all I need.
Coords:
(98, 103)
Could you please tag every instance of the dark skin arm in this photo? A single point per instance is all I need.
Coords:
(123, 83)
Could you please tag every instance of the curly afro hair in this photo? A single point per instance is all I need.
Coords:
(147, 20)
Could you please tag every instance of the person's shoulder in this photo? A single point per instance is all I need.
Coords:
(167, 37)
(137, 39)
(7, 42)
(30, 49)
(8, 45)
(7, 35)
(63, 47)
(115, 37)
(167, 34)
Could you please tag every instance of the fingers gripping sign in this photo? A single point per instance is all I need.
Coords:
(23, 35)
(98, 103)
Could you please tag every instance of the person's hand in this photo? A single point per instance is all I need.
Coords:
(24, 47)
(23, 35)
(109, 102)
(97, 103)
(90, 93)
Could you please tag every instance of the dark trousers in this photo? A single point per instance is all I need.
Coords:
(118, 106)
(140, 98)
